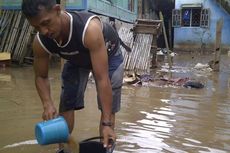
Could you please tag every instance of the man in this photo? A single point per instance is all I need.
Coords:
(87, 44)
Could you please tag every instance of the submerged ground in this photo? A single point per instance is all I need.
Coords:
(152, 119)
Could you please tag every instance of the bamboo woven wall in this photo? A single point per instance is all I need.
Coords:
(15, 35)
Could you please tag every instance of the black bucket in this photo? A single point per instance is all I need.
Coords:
(93, 145)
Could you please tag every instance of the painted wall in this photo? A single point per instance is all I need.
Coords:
(192, 37)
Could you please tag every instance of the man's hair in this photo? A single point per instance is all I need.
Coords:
(31, 8)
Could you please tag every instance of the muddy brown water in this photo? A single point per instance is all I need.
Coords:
(152, 119)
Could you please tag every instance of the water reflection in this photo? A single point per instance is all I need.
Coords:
(186, 123)
(177, 120)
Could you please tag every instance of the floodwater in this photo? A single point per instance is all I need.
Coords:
(152, 119)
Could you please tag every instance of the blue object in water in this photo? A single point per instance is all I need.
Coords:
(52, 131)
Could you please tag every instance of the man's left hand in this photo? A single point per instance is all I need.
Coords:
(109, 136)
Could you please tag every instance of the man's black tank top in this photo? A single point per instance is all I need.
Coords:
(74, 50)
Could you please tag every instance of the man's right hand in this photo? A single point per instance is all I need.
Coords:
(50, 111)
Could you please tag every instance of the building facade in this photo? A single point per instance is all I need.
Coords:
(124, 10)
(195, 22)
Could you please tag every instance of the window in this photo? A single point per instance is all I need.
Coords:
(190, 17)
(186, 17)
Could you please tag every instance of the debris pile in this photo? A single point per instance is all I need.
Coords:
(161, 81)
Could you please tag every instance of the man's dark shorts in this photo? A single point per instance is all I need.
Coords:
(74, 81)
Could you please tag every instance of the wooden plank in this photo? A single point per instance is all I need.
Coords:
(14, 31)
(140, 9)
(26, 35)
(5, 56)
(149, 21)
(157, 26)
(145, 26)
(6, 21)
(24, 48)
(5, 59)
(146, 30)
(17, 51)
(11, 26)
(166, 41)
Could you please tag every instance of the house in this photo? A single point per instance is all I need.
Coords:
(194, 25)
(14, 27)
(125, 10)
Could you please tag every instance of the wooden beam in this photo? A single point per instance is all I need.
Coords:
(140, 9)
(147, 26)
(166, 41)
(217, 54)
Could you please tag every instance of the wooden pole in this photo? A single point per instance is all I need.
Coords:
(166, 40)
(217, 54)
(170, 34)
(140, 9)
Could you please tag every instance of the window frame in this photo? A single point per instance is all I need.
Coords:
(177, 20)
(205, 18)
(176, 17)
(131, 4)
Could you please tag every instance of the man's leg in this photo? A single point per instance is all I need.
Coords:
(69, 117)
(74, 82)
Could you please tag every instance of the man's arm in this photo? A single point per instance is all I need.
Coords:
(94, 41)
(41, 65)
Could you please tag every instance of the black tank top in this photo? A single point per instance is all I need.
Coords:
(74, 50)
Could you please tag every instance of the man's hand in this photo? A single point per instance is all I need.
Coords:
(108, 135)
(50, 112)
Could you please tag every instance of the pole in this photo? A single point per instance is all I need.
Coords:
(140, 9)
(166, 41)
(216, 62)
